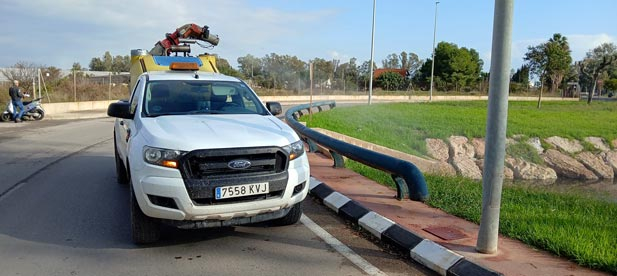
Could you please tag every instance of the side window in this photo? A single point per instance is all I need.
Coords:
(134, 98)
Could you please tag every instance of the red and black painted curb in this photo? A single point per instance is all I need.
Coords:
(424, 251)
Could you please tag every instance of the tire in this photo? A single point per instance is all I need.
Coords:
(291, 218)
(144, 229)
(5, 117)
(121, 174)
(38, 115)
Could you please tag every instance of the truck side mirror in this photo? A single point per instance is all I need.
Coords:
(274, 108)
(120, 110)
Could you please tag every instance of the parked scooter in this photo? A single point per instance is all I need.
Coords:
(33, 111)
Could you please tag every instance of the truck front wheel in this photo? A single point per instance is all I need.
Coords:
(144, 229)
(121, 175)
(291, 218)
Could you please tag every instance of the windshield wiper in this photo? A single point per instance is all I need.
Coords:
(206, 112)
(162, 114)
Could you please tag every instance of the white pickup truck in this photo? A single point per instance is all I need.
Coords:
(199, 149)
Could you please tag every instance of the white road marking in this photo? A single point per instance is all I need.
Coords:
(341, 248)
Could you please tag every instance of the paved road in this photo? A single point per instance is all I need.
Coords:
(62, 213)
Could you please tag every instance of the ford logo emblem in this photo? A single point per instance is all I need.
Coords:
(239, 164)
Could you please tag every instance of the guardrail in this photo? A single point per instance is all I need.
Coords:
(407, 177)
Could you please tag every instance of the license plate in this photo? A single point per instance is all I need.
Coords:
(241, 190)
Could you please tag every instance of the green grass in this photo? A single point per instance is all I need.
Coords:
(567, 224)
(404, 126)
(570, 225)
(524, 151)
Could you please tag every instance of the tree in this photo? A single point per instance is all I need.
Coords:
(250, 66)
(521, 75)
(284, 71)
(549, 60)
(322, 72)
(392, 61)
(559, 59)
(107, 61)
(24, 72)
(408, 61)
(597, 62)
(77, 67)
(226, 69)
(455, 68)
(364, 73)
(611, 85)
(411, 62)
(96, 64)
(52, 73)
(347, 73)
(121, 64)
(390, 81)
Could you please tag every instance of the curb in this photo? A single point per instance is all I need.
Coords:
(424, 251)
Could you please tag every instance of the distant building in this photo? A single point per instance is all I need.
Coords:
(401, 72)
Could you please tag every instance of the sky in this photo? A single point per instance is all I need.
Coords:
(61, 32)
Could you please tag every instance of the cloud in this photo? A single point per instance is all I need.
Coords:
(580, 44)
(341, 57)
(81, 29)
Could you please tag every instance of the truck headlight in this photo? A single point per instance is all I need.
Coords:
(295, 149)
(162, 157)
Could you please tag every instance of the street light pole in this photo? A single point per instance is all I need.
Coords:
(370, 86)
(496, 125)
(430, 97)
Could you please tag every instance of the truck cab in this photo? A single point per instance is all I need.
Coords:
(199, 149)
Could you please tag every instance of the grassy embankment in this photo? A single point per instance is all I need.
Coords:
(572, 225)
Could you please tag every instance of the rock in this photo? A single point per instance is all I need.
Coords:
(611, 159)
(596, 164)
(536, 144)
(467, 167)
(530, 171)
(478, 145)
(567, 166)
(614, 143)
(437, 149)
(510, 141)
(598, 143)
(445, 169)
(565, 145)
(507, 172)
(459, 148)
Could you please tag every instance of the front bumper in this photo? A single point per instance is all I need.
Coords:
(168, 184)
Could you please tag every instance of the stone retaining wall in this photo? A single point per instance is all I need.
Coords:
(565, 158)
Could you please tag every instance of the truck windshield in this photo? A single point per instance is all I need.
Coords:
(181, 97)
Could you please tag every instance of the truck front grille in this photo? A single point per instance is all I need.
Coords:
(204, 170)
(215, 163)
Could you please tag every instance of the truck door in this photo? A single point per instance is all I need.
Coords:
(126, 127)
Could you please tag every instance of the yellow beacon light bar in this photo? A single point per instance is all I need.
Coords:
(184, 66)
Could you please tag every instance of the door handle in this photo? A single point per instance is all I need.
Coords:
(128, 134)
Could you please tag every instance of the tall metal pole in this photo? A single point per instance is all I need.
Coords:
(74, 86)
(370, 86)
(39, 77)
(430, 97)
(311, 89)
(496, 124)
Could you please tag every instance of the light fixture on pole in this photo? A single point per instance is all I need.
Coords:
(430, 97)
(370, 86)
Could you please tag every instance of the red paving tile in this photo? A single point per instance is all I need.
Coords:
(513, 257)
